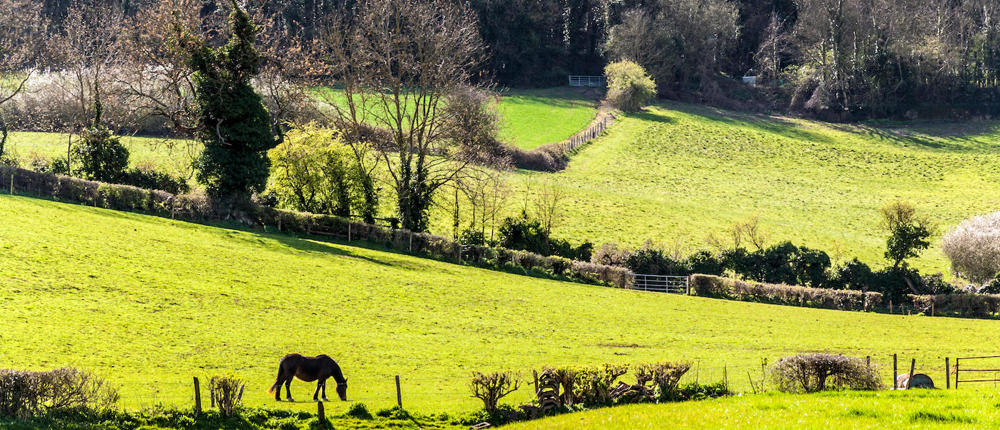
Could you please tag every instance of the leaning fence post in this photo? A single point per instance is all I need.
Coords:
(320, 413)
(947, 373)
(197, 396)
(909, 379)
(399, 394)
(239, 397)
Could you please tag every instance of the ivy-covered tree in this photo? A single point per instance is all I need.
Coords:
(100, 153)
(234, 124)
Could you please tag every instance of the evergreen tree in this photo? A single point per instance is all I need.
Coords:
(234, 124)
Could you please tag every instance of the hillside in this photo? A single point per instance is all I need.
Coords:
(679, 172)
(150, 302)
(855, 410)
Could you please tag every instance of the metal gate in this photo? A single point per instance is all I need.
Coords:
(661, 284)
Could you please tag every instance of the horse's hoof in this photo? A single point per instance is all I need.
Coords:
(326, 399)
(290, 399)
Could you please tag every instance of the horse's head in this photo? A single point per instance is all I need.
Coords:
(342, 390)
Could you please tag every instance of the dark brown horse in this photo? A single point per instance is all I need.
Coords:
(308, 369)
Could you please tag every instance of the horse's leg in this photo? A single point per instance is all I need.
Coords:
(319, 384)
(288, 388)
(324, 390)
(281, 381)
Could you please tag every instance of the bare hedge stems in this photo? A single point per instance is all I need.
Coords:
(226, 391)
(810, 373)
(492, 387)
(24, 394)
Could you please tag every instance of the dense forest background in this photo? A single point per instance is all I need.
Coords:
(832, 59)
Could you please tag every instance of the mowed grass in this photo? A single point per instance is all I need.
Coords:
(532, 118)
(148, 303)
(678, 173)
(857, 410)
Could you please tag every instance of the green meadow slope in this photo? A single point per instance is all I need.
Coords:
(965, 408)
(149, 303)
(679, 173)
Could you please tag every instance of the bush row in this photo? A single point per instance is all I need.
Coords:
(725, 288)
(568, 389)
(25, 394)
(200, 208)
(957, 305)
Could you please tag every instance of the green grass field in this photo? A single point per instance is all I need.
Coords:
(855, 410)
(149, 303)
(537, 117)
(678, 173)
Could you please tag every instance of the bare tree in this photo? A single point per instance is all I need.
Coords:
(487, 191)
(23, 32)
(397, 61)
(87, 51)
(548, 205)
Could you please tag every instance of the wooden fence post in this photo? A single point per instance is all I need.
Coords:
(411, 242)
(947, 373)
(895, 371)
(320, 413)
(956, 372)
(399, 394)
(197, 396)
(348, 231)
(239, 397)
(868, 361)
(535, 373)
(909, 379)
(12, 182)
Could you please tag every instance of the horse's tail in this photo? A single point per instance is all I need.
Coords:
(277, 383)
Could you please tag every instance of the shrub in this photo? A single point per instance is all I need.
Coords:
(592, 385)
(696, 391)
(810, 373)
(665, 377)
(101, 155)
(629, 86)
(958, 305)
(227, 392)
(610, 254)
(526, 234)
(312, 170)
(706, 263)
(148, 178)
(974, 248)
(492, 387)
(853, 275)
(724, 288)
(783, 263)
(654, 260)
(24, 394)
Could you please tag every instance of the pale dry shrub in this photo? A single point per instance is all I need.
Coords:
(226, 392)
(810, 373)
(974, 248)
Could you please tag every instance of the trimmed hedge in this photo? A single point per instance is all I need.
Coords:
(958, 305)
(732, 289)
(199, 208)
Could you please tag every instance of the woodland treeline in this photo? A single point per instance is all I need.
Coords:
(835, 59)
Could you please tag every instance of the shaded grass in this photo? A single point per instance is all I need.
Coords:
(854, 410)
(148, 303)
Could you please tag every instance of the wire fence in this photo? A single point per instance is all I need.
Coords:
(434, 394)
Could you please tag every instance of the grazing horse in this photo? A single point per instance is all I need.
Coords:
(308, 369)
